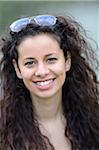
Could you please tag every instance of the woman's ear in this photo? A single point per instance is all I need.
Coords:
(68, 61)
(17, 70)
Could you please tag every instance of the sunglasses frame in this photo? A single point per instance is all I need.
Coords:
(41, 20)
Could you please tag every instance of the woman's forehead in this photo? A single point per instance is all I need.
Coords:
(44, 44)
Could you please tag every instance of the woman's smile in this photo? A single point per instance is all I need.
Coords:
(44, 85)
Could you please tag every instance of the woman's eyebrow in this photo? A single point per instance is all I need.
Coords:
(50, 54)
(30, 58)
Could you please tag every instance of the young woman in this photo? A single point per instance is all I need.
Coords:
(49, 90)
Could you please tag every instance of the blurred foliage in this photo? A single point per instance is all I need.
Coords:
(12, 10)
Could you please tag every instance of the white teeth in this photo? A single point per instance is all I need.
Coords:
(44, 82)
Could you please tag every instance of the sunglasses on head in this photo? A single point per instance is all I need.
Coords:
(41, 20)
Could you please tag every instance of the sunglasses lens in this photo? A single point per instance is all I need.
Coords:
(45, 20)
(19, 24)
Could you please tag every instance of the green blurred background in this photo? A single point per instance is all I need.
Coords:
(85, 12)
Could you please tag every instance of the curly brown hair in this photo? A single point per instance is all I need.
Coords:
(19, 128)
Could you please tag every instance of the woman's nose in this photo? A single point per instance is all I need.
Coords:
(41, 70)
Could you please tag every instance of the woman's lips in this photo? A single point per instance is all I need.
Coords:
(44, 85)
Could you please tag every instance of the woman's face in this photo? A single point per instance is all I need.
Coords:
(42, 65)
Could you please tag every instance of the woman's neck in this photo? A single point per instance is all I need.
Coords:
(48, 108)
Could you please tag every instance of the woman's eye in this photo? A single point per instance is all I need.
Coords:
(29, 63)
(52, 60)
